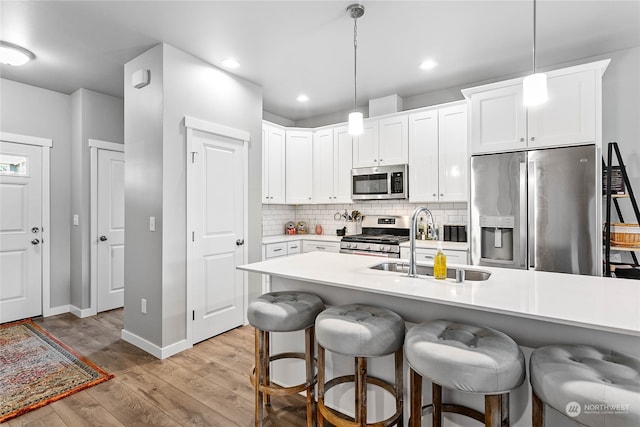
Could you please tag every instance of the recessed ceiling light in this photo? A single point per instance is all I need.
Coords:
(428, 64)
(12, 54)
(302, 98)
(230, 63)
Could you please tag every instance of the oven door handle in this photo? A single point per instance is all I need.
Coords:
(375, 254)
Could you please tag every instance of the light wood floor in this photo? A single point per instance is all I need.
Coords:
(207, 385)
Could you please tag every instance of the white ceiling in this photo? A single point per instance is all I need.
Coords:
(291, 47)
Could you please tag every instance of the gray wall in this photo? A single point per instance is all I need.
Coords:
(181, 85)
(29, 110)
(93, 116)
(143, 198)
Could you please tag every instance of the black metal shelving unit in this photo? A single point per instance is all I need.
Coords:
(611, 198)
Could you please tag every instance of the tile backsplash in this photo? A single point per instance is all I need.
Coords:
(274, 217)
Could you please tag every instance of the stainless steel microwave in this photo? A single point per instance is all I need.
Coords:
(380, 182)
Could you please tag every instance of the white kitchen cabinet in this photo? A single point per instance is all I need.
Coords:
(572, 115)
(365, 146)
(316, 246)
(294, 248)
(274, 250)
(299, 166)
(438, 154)
(428, 254)
(383, 142)
(273, 164)
(332, 161)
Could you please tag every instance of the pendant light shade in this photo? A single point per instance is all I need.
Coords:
(534, 86)
(356, 124)
(534, 89)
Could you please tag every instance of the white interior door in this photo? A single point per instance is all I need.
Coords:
(20, 231)
(217, 214)
(110, 221)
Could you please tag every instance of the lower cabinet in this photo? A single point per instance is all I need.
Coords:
(315, 246)
(276, 250)
(428, 254)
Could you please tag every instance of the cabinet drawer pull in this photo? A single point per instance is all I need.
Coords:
(320, 247)
(277, 250)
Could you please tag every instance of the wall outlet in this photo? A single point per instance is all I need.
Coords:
(152, 223)
(143, 306)
(76, 219)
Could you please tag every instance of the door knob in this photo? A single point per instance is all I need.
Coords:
(239, 242)
(35, 241)
(103, 238)
(35, 230)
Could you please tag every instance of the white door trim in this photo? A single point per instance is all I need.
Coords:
(192, 124)
(46, 144)
(94, 146)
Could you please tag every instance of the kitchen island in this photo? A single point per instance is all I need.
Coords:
(534, 308)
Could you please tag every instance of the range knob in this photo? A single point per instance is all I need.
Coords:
(383, 248)
(355, 246)
(369, 247)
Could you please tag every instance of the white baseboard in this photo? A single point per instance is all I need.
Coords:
(152, 349)
(81, 312)
(54, 311)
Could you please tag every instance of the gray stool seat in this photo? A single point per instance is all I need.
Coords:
(465, 357)
(605, 384)
(360, 330)
(284, 311)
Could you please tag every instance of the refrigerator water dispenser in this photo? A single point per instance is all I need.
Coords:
(496, 238)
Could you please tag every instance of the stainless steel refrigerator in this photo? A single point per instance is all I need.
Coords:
(538, 210)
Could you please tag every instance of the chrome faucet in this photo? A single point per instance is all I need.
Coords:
(412, 238)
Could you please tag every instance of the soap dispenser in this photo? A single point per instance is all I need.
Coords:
(440, 264)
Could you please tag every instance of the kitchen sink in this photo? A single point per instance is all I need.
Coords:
(427, 270)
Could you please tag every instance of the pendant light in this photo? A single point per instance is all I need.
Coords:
(534, 86)
(355, 11)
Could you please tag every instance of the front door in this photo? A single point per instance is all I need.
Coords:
(20, 231)
(110, 220)
(217, 211)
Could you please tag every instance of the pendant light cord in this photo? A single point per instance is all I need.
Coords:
(534, 36)
(355, 61)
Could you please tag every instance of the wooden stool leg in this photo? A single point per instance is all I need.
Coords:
(267, 374)
(399, 358)
(361, 391)
(537, 412)
(415, 384)
(492, 410)
(436, 391)
(308, 355)
(320, 383)
(258, 377)
(506, 419)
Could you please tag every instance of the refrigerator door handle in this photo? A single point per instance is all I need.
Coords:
(523, 261)
(531, 210)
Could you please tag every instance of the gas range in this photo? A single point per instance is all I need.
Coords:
(381, 236)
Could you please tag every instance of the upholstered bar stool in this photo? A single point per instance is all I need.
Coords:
(592, 386)
(465, 358)
(360, 331)
(283, 312)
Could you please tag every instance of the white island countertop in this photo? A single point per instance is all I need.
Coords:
(596, 303)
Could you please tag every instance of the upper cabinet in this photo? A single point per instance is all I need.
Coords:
(438, 154)
(332, 160)
(299, 166)
(572, 115)
(273, 161)
(383, 142)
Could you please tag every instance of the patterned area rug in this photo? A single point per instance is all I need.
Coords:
(37, 369)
